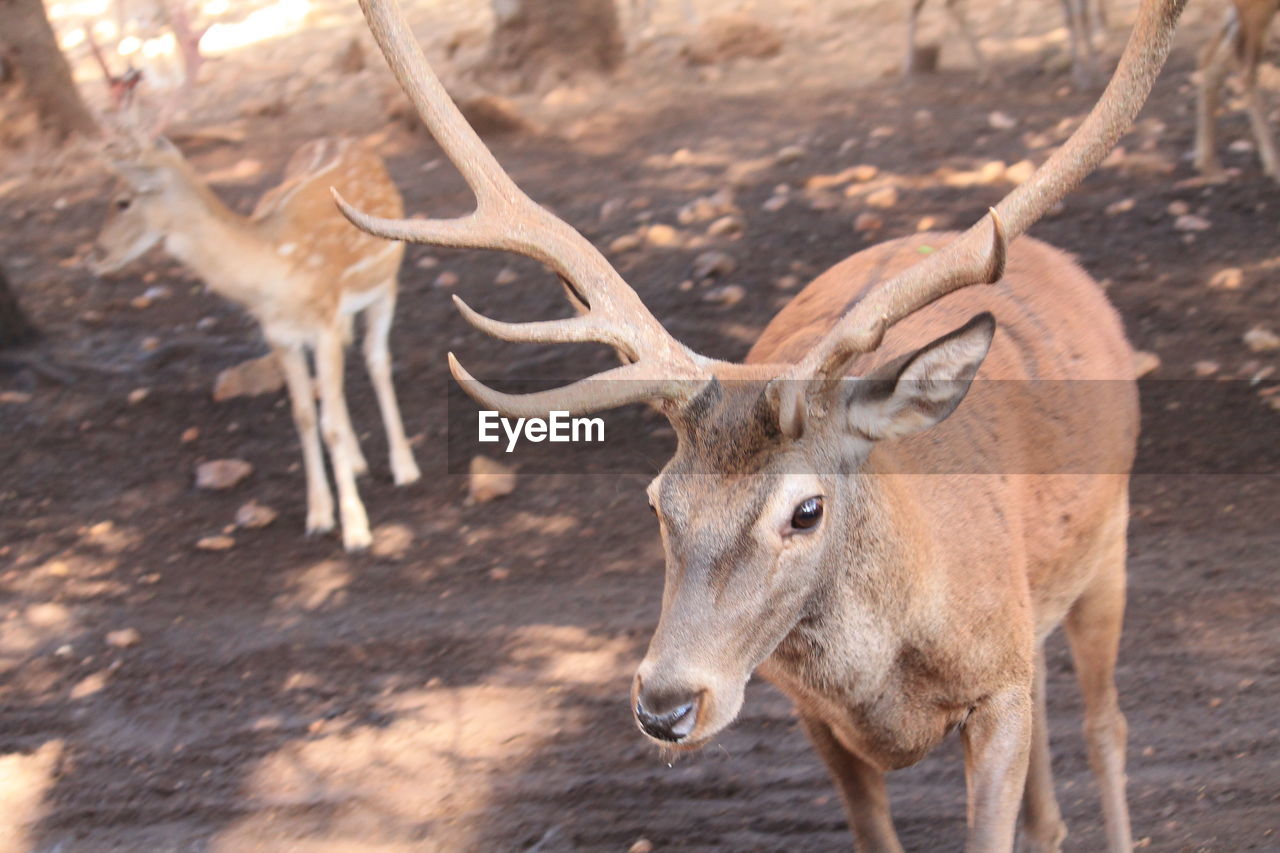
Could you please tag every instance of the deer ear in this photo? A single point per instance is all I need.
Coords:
(913, 393)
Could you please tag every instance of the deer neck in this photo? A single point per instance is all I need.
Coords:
(229, 252)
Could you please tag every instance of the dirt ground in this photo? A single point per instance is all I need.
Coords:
(464, 685)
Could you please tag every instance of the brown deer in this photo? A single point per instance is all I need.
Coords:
(1239, 41)
(303, 273)
(814, 526)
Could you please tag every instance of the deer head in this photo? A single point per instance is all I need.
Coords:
(751, 525)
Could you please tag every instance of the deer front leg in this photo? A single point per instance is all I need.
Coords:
(293, 364)
(335, 427)
(997, 742)
(866, 802)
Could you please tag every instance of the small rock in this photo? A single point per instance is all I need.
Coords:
(190, 434)
(1178, 208)
(255, 515)
(641, 845)
(625, 243)
(448, 278)
(1144, 363)
(505, 276)
(662, 236)
(1259, 339)
(15, 397)
(787, 282)
(1230, 278)
(868, 221)
(124, 638)
(774, 203)
(725, 226)
(790, 154)
(221, 474)
(158, 291)
(249, 379)
(1191, 222)
(1020, 172)
(216, 543)
(927, 223)
(150, 344)
(883, 197)
(140, 302)
(489, 479)
(137, 395)
(427, 262)
(499, 574)
(1240, 146)
(1205, 368)
(729, 294)
(713, 264)
(1124, 205)
(1001, 121)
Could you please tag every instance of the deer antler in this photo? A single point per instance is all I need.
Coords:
(507, 219)
(977, 256)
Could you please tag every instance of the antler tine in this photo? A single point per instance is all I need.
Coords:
(506, 219)
(978, 255)
(630, 383)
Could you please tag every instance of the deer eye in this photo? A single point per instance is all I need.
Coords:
(123, 203)
(807, 514)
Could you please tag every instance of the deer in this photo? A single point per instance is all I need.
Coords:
(1239, 41)
(814, 527)
(1083, 18)
(300, 270)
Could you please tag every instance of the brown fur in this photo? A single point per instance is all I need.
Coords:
(302, 271)
(931, 593)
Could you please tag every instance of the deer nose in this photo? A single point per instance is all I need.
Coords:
(672, 725)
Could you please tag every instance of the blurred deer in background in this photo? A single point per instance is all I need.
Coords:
(1240, 41)
(1083, 18)
(810, 528)
(303, 273)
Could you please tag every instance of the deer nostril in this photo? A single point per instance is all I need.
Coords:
(673, 725)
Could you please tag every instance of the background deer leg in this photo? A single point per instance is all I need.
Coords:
(866, 802)
(1261, 127)
(955, 8)
(335, 426)
(909, 58)
(293, 364)
(1213, 71)
(997, 740)
(1043, 829)
(1093, 630)
(377, 358)
(1084, 65)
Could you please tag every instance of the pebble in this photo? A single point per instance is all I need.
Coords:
(1205, 368)
(1191, 222)
(1144, 363)
(641, 845)
(729, 294)
(1001, 121)
(216, 543)
(1124, 205)
(725, 226)
(505, 276)
(1260, 339)
(774, 203)
(137, 395)
(249, 379)
(661, 235)
(255, 515)
(1178, 208)
(791, 154)
(625, 243)
(221, 474)
(713, 264)
(448, 278)
(124, 638)
(867, 221)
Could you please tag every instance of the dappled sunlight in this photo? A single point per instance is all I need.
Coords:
(388, 788)
(284, 17)
(24, 779)
(568, 654)
(25, 631)
(322, 585)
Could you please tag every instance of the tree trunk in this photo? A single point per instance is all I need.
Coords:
(541, 42)
(31, 46)
(15, 328)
